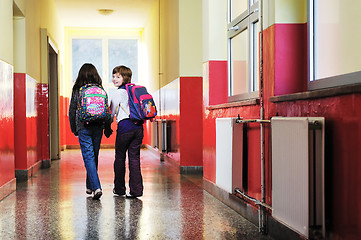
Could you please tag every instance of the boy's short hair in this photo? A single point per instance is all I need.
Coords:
(125, 72)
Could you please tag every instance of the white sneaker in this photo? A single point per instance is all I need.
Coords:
(97, 194)
(88, 191)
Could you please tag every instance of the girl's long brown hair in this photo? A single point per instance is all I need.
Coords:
(87, 74)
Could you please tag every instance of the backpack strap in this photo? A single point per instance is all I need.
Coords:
(120, 105)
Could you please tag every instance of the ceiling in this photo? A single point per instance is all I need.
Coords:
(84, 13)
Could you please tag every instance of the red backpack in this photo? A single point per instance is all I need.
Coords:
(141, 103)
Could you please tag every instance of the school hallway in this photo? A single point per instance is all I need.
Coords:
(53, 205)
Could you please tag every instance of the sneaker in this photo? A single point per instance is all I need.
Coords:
(116, 193)
(128, 195)
(88, 191)
(97, 194)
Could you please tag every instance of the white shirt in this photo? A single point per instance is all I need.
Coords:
(119, 105)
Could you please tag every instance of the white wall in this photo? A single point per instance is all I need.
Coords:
(214, 30)
(6, 31)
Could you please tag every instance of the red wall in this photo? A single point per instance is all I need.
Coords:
(218, 88)
(253, 138)
(285, 72)
(20, 120)
(43, 121)
(290, 62)
(342, 157)
(190, 125)
(182, 103)
(25, 121)
(7, 169)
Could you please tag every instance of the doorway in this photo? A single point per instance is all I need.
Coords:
(53, 102)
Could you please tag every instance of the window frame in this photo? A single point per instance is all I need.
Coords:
(328, 82)
(245, 21)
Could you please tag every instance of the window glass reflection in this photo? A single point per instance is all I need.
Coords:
(239, 63)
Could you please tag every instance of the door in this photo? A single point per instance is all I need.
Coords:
(53, 104)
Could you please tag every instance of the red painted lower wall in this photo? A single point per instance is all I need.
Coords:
(43, 121)
(20, 120)
(215, 91)
(147, 133)
(342, 157)
(218, 88)
(285, 72)
(7, 159)
(290, 62)
(253, 138)
(209, 146)
(190, 123)
(181, 106)
(25, 121)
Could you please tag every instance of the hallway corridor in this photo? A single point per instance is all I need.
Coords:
(54, 205)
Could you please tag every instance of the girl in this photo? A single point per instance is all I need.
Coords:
(129, 138)
(90, 134)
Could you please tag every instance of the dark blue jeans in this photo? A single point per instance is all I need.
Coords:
(131, 142)
(89, 139)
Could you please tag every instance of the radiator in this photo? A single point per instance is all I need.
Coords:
(165, 137)
(162, 135)
(155, 132)
(229, 154)
(298, 174)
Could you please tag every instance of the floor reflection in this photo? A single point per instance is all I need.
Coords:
(127, 214)
(54, 205)
(94, 210)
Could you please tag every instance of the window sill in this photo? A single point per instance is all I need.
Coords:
(330, 92)
(242, 103)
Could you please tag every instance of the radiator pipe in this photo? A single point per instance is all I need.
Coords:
(160, 74)
(263, 223)
(252, 120)
(262, 204)
(256, 201)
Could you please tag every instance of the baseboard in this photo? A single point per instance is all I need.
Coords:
(247, 211)
(152, 150)
(173, 163)
(24, 174)
(45, 164)
(191, 169)
(7, 188)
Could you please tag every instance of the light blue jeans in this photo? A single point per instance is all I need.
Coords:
(89, 139)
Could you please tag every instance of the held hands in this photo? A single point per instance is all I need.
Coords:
(108, 132)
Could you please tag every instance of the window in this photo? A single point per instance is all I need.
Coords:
(243, 50)
(105, 54)
(86, 51)
(334, 43)
(123, 52)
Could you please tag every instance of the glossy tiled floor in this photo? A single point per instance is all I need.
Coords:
(54, 205)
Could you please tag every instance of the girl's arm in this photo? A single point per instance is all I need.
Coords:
(72, 112)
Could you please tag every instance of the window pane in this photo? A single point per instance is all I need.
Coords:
(239, 64)
(238, 7)
(86, 51)
(123, 52)
(337, 37)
